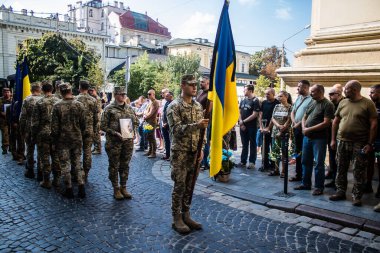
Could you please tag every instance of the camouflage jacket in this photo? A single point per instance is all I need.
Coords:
(26, 113)
(91, 111)
(2, 114)
(68, 122)
(111, 116)
(41, 118)
(182, 120)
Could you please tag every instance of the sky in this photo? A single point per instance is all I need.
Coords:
(256, 24)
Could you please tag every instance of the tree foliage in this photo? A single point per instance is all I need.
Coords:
(53, 57)
(266, 61)
(263, 83)
(146, 74)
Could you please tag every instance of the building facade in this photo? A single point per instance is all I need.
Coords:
(344, 44)
(15, 28)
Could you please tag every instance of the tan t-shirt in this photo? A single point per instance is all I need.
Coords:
(355, 119)
(151, 112)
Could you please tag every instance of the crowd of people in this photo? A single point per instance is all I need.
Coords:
(345, 126)
(66, 130)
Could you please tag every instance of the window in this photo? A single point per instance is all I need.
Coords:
(242, 67)
(102, 13)
(90, 13)
(102, 27)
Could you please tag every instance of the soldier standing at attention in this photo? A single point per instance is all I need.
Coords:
(25, 128)
(119, 150)
(185, 119)
(97, 138)
(41, 130)
(4, 100)
(91, 112)
(68, 127)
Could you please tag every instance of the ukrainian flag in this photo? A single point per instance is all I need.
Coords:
(25, 79)
(223, 94)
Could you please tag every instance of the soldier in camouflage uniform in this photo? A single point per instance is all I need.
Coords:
(25, 128)
(91, 111)
(97, 137)
(68, 127)
(119, 150)
(41, 130)
(353, 135)
(4, 100)
(185, 119)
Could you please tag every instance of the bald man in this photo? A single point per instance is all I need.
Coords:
(150, 117)
(353, 135)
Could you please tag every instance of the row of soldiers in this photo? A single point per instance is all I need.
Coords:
(61, 126)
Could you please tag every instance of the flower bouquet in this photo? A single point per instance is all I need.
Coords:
(147, 128)
(227, 165)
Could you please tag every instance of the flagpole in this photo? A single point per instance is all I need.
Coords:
(197, 161)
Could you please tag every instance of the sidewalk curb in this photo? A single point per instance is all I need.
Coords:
(302, 209)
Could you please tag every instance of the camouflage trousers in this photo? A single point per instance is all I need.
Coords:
(97, 142)
(150, 137)
(16, 143)
(30, 147)
(4, 136)
(119, 156)
(87, 155)
(182, 173)
(69, 156)
(45, 153)
(346, 152)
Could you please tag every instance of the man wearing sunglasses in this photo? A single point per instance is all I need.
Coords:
(150, 117)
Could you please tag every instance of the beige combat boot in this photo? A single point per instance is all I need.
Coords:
(117, 194)
(125, 193)
(178, 224)
(190, 222)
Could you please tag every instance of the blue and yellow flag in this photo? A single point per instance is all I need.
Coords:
(25, 79)
(223, 94)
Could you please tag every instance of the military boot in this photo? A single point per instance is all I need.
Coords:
(117, 194)
(68, 193)
(178, 224)
(81, 191)
(40, 176)
(46, 182)
(29, 172)
(190, 222)
(125, 193)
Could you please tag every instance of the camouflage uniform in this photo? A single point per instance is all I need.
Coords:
(68, 127)
(97, 138)
(41, 129)
(91, 112)
(184, 132)
(25, 127)
(119, 152)
(4, 125)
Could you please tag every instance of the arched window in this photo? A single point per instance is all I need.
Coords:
(90, 13)
(102, 13)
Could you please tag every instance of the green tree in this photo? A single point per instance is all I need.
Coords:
(183, 64)
(266, 61)
(262, 83)
(53, 57)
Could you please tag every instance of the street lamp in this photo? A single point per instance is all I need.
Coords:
(128, 71)
(283, 52)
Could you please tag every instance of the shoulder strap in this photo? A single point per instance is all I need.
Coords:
(303, 100)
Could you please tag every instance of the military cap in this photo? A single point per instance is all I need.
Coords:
(118, 89)
(6, 89)
(188, 79)
(64, 87)
(35, 85)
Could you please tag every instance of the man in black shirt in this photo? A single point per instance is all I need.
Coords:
(249, 110)
(265, 117)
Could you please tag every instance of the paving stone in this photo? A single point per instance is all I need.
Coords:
(303, 219)
(372, 226)
(375, 245)
(319, 229)
(340, 235)
(333, 226)
(304, 224)
(282, 205)
(317, 222)
(366, 235)
(360, 240)
(349, 231)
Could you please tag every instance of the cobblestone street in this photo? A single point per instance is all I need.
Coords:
(39, 220)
